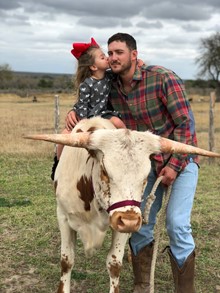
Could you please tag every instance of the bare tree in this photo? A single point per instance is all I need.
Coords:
(209, 60)
(6, 74)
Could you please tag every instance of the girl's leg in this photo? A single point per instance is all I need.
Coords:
(60, 146)
(118, 123)
(57, 155)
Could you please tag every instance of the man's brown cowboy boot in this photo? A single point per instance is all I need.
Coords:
(183, 277)
(141, 264)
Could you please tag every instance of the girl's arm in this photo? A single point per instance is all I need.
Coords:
(82, 106)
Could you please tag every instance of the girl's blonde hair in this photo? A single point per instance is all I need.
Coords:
(83, 71)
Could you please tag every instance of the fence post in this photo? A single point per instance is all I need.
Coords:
(56, 117)
(211, 125)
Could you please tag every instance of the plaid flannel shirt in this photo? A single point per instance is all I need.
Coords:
(158, 103)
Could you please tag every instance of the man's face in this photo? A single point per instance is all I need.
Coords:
(120, 57)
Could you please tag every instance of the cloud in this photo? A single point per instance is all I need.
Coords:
(38, 35)
(177, 11)
(9, 5)
(103, 22)
(147, 24)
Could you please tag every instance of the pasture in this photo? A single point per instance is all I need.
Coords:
(29, 235)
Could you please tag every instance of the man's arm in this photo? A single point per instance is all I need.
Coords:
(182, 116)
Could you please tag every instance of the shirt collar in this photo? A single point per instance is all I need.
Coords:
(137, 76)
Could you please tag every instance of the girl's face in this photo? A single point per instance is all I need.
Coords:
(101, 60)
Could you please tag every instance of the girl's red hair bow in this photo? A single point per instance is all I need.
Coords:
(79, 48)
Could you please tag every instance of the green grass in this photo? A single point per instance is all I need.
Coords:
(30, 240)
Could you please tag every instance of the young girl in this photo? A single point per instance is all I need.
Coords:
(94, 84)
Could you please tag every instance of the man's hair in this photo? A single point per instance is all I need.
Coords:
(122, 37)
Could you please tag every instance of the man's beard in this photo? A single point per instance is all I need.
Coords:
(122, 69)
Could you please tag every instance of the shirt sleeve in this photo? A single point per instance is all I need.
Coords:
(179, 109)
(82, 106)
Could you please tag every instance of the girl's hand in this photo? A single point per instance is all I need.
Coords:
(140, 62)
(71, 120)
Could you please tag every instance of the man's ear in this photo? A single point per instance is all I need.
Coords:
(134, 54)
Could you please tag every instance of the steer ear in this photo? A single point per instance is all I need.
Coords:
(80, 139)
(171, 146)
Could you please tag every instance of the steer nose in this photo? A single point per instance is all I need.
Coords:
(126, 222)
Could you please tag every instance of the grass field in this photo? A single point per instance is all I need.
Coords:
(29, 236)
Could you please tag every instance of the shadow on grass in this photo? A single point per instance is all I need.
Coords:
(14, 202)
(79, 275)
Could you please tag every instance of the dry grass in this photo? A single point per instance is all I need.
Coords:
(201, 112)
(19, 116)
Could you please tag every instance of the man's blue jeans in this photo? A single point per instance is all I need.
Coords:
(177, 217)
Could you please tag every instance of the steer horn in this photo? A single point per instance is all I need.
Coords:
(81, 139)
(75, 140)
(171, 146)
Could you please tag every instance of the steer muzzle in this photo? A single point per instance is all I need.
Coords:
(126, 222)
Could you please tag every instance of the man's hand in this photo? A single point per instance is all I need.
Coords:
(71, 120)
(169, 175)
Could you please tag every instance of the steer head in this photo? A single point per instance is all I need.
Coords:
(122, 165)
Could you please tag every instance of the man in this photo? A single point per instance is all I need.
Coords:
(153, 98)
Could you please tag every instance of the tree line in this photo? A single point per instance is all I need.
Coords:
(13, 81)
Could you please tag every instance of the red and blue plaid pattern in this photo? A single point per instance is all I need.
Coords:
(157, 102)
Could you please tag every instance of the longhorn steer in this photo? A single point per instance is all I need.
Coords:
(100, 183)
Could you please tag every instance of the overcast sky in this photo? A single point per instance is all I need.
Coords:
(37, 35)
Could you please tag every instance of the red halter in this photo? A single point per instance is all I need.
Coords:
(123, 203)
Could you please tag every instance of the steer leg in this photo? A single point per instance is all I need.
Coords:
(68, 240)
(114, 259)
